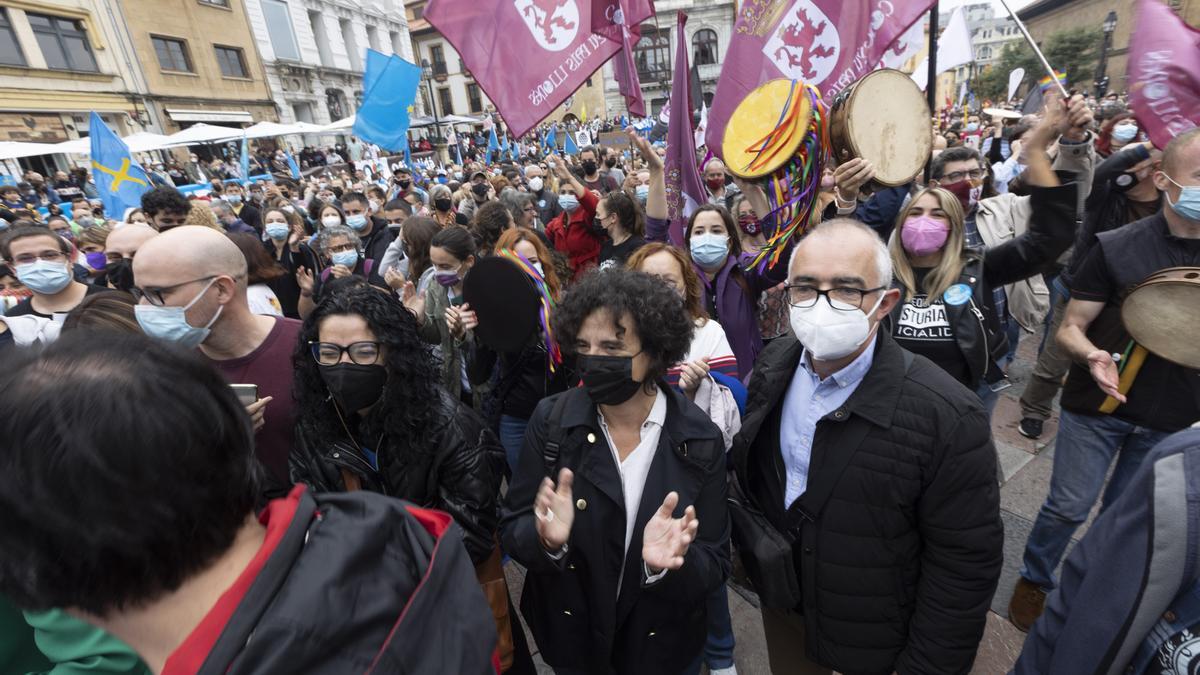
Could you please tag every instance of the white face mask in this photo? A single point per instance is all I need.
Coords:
(330, 221)
(829, 333)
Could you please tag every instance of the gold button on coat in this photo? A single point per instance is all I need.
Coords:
(581, 504)
(591, 438)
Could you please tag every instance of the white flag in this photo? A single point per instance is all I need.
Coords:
(702, 127)
(954, 49)
(1014, 81)
(905, 47)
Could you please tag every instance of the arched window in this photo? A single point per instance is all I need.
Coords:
(335, 100)
(653, 53)
(704, 47)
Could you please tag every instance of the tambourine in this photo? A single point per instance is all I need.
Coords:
(1160, 314)
(884, 119)
(766, 129)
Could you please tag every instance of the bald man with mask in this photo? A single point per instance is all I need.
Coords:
(191, 289)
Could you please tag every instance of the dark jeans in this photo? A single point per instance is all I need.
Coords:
(718, 646)
(512, 437)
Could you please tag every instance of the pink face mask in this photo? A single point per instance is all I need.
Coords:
(922, 235)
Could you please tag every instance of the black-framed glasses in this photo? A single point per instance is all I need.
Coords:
(47, 255)
(363, 353)
(963, 175)
(804, 296)
(154, 295)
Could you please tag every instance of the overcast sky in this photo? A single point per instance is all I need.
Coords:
(947, 5)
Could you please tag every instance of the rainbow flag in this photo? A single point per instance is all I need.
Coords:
(1047, 82)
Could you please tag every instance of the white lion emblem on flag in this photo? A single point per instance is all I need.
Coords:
(553, 23)
(805, 44)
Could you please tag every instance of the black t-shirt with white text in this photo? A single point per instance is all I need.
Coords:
(924, 328)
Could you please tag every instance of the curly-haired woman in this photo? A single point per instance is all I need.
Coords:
(627, 453)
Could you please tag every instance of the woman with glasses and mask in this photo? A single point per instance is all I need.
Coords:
(341, 252)
(948, 312)
(444, 213)
(617, 507)
(372, 416)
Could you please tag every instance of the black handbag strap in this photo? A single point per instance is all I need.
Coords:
(556, 434)
(810, 504)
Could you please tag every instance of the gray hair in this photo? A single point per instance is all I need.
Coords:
(220, 207)
(835, 226)
(332, 231)
(515, 201)
(439, 191)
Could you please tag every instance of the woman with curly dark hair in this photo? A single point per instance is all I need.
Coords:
(609, 467)
(372, 416)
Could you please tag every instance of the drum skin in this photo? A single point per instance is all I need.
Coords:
(884, 119)
(1161, 315)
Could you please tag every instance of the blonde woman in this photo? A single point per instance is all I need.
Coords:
(949, 313)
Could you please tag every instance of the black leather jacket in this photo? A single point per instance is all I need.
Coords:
(462, 479)
(976, 323)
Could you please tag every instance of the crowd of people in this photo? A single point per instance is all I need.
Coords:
(248, 431)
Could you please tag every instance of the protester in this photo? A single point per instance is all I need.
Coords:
(41, 260)
(261, 270)
(572, 233)
(372, 231)
(545, 199)
(520, 206)
(450, 256)
(174, 534)
(228, 218)
(443, 208)
(407, 259)
(908, 557)
(489, 222)
(165, 208)
(620, 216)
(119, 249)
(191, 287)
(53, 641)
(104, 312)
(947, 311)
(1161, 399)
(245, 210)
(719, 193)
(342, 255)
(654, 490)
(589, 172)
(285, 244)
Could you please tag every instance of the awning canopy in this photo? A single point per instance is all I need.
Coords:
(202, 133)
(238, 116)
(15, 149)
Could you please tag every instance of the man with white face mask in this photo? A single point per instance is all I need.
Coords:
(877, 468)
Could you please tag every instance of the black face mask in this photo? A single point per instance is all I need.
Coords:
(354, 387)
(610, 163)
(442, 205)
(120, 274)
(480, 190)
(404, 184)
(608, 380)
(589, 167)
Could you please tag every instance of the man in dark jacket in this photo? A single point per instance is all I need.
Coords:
(878, 467)
(328, 584)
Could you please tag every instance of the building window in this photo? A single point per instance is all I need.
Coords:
(216, 3)
(704, 47)
(351, 42)
(445, 102)
(317, 23)
(474, 98)
(358, 99)
(63, 42)
(653, 53)
(232, 61)
(418, 12)
(10, 51)
(172, 54)
(335, 100)
(437, 57)
(373, 38)
(394, 38)
(279, 29)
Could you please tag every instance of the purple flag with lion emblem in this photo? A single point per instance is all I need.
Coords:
(826, 43)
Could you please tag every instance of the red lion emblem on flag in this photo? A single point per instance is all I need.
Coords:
(805, 45)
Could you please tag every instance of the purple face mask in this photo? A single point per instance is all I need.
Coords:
(922, 235)
(447, 279)
(96, 260)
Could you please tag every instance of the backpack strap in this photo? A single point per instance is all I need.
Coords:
(556, 434)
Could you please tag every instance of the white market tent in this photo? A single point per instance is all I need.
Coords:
(202, 133)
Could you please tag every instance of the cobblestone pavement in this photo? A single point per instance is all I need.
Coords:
(1026, 465)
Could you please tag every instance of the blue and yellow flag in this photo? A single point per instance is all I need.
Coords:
(292, 165)
(571, 148)
(389, 90)
(119, 180)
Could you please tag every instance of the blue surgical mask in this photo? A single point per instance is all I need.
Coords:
(568, 202)
(233, 199)
(643, 193)
(972, 126)
(278, 230)
(345, 258)
(170, 323)
(43, 276)
(709, 249)
(1188, 204)
(1123, 133)
(357, 222)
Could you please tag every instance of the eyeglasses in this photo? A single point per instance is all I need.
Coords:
(961, 175)
(804, 296)
(361, 353)
(154, 295)
(48, 256)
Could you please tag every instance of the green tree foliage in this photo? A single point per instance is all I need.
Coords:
(991, 84)
(1074, 52)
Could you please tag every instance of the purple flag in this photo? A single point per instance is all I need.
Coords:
(620, 21)
(1164, 72)
(829, 44)
(685, 189)
(528, 56)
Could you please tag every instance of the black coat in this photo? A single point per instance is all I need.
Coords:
(897, 568)
(463, 479)
(572, 606)
(353, 583)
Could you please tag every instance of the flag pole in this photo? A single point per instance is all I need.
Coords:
(1033, 45)
(931, 78)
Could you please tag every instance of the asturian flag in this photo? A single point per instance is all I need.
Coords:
(119, 180)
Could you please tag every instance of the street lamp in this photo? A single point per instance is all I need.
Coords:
(427, 74)
(1110, 25)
